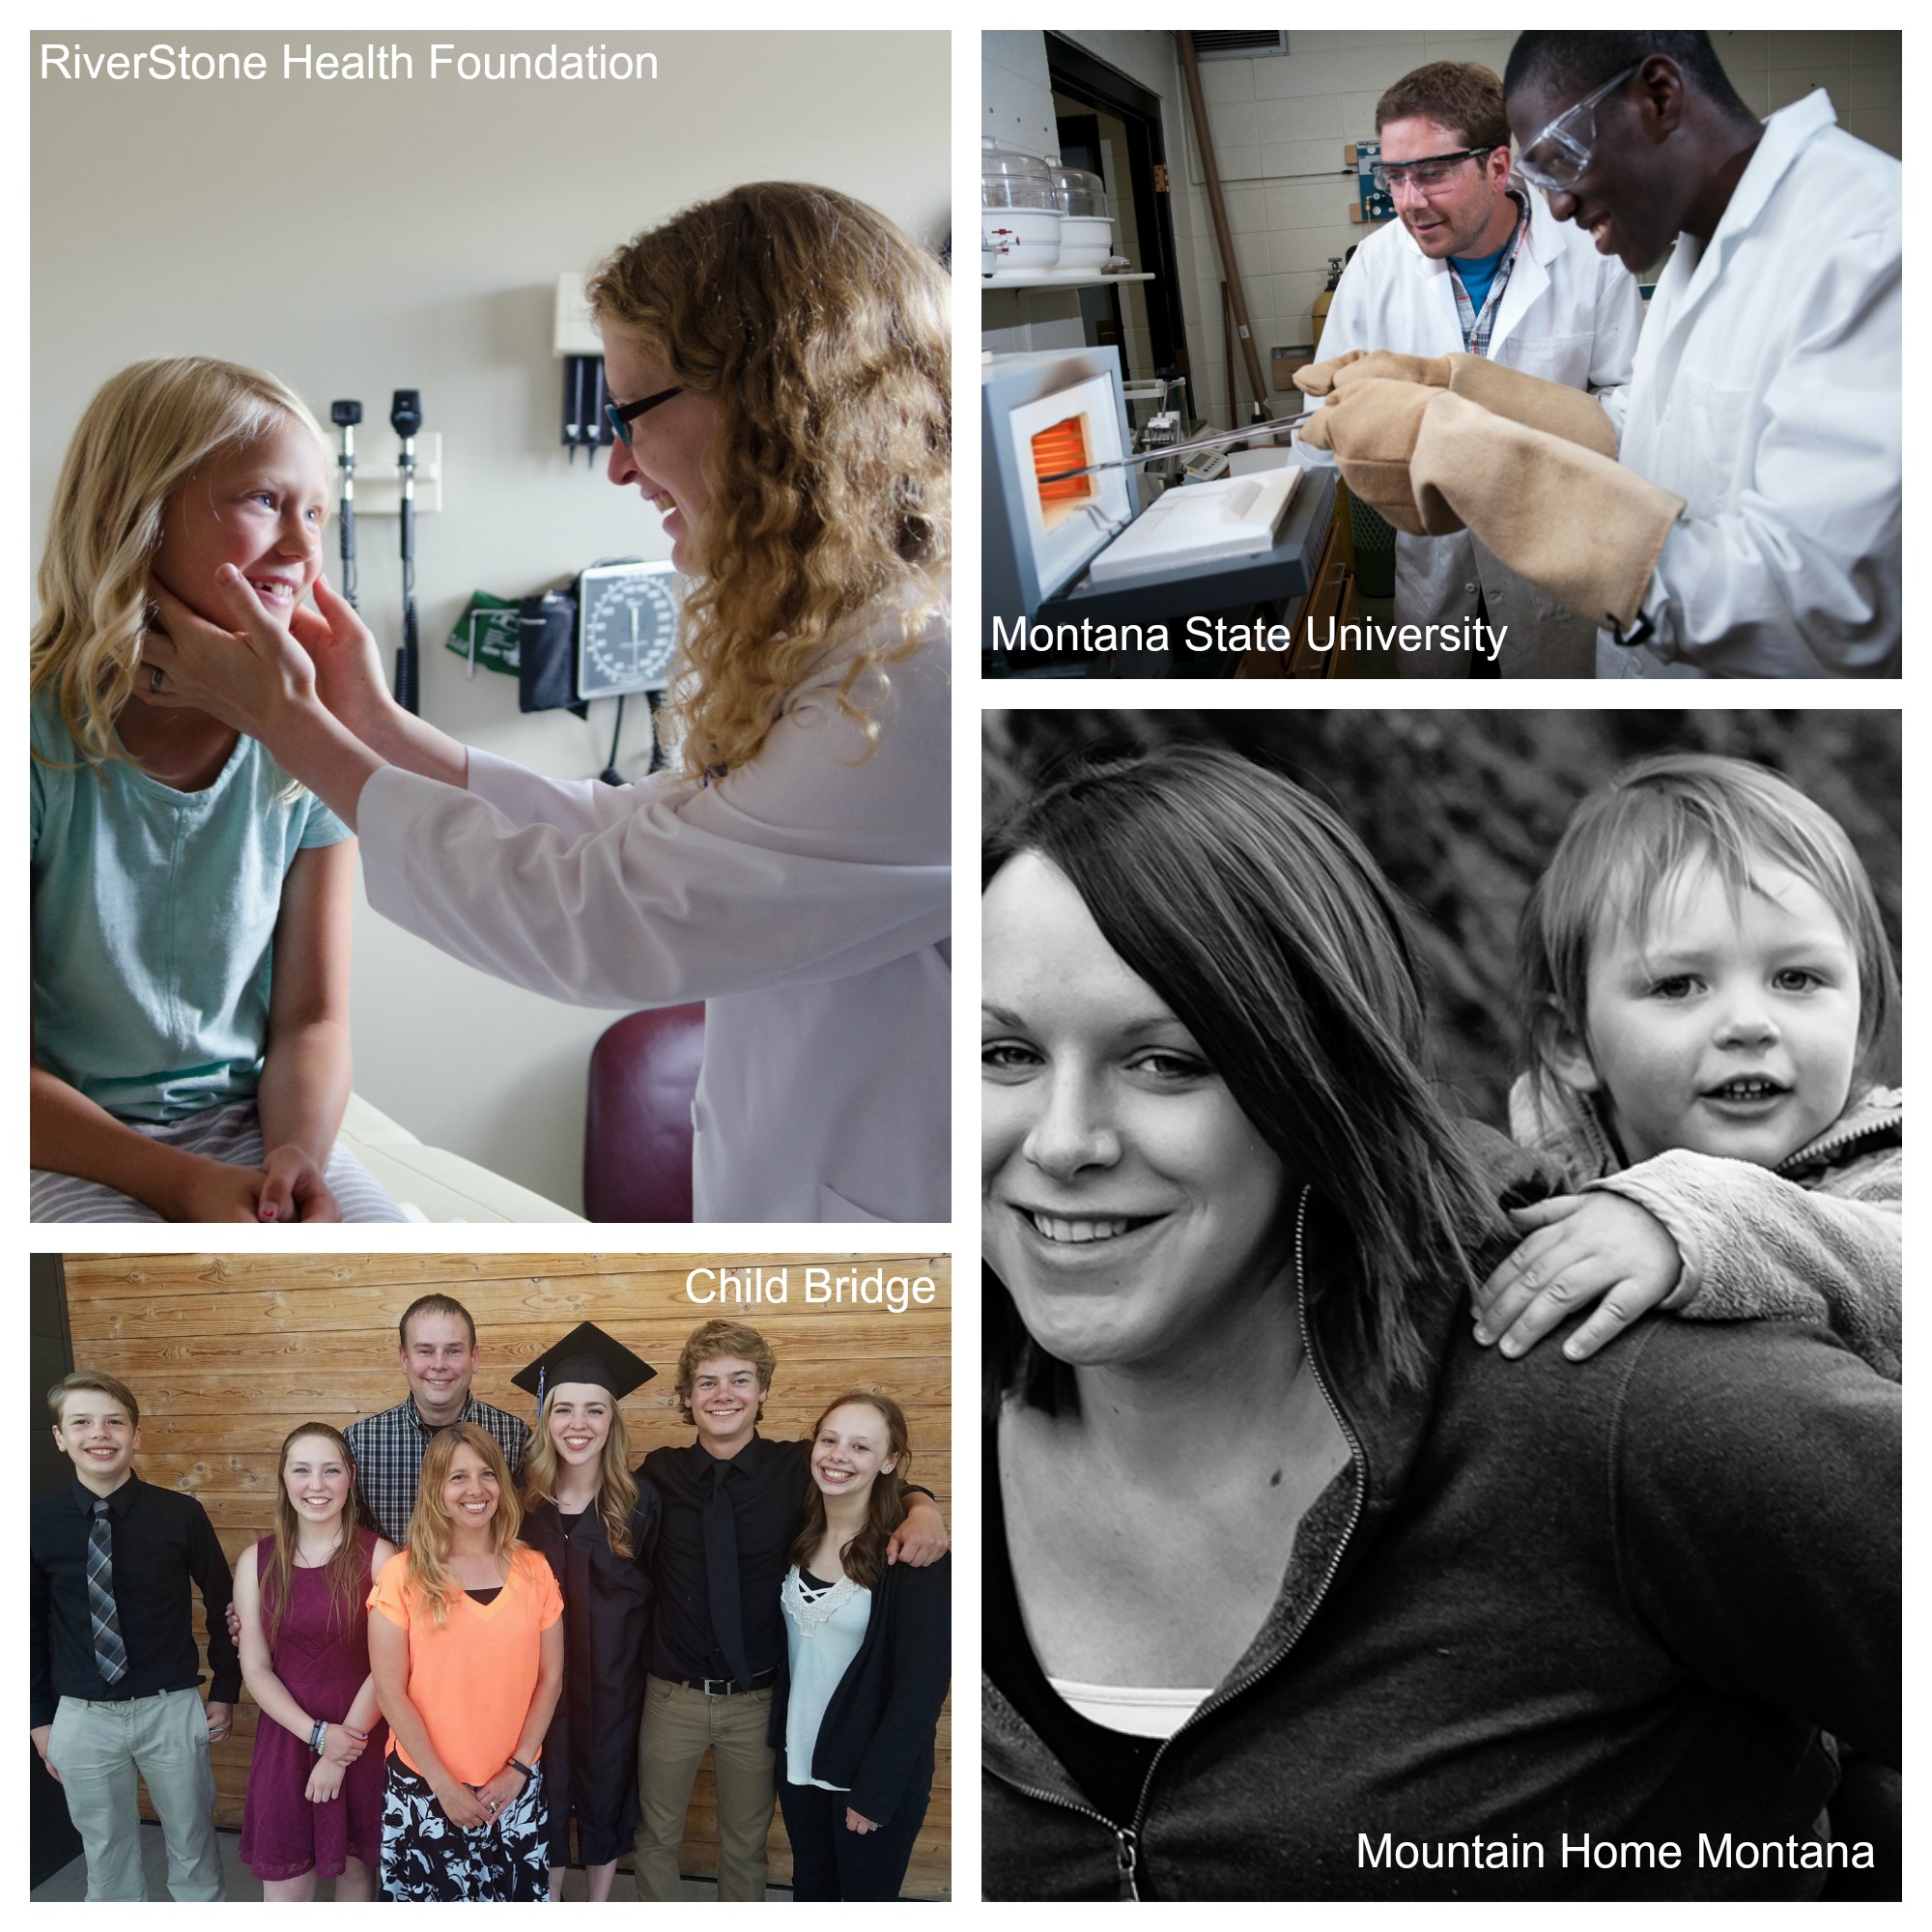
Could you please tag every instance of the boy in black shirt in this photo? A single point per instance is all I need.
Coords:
(116, 1676)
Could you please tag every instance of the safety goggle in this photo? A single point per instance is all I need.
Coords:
(623, 414)
(1558, 156)
(1432, 171)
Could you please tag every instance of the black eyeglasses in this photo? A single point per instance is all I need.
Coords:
(623, 414)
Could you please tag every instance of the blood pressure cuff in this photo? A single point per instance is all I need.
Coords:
(546, 653)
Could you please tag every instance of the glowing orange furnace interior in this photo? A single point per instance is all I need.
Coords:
(1062, 446)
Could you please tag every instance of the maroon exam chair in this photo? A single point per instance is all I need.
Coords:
(636, 1126)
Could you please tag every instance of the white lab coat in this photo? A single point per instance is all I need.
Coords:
(1567, 315)
(1767, 392)
(805, 897)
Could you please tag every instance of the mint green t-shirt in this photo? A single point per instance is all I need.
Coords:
(154, 915)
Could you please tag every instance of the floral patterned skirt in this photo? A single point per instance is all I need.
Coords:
(425, 1856)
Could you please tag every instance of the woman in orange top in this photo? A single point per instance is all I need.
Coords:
(466, 1644)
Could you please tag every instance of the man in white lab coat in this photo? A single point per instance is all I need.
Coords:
(1768, 386)
(1477, 263)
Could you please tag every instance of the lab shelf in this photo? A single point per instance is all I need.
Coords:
(1000, 280)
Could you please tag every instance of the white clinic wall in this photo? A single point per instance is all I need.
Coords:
(1280, 126)
(359, 236)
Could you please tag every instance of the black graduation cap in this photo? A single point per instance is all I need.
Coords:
(586, 1355)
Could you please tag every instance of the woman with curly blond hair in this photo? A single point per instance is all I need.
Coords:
(780, 363)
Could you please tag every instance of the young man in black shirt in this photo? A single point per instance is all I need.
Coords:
(116, 1676)
(733, 1502)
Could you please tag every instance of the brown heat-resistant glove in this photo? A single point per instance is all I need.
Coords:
(1534, 403)
(1503, 391)
(1372, 427)
(1318, 379)
(1575, 524)
(1390, 365)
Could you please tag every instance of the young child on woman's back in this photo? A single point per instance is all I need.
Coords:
(1704, 973)
(190, 905)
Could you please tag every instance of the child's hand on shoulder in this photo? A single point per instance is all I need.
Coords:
(292, 1188)
(1577, 1248)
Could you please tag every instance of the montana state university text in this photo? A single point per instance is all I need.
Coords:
(1219, 634)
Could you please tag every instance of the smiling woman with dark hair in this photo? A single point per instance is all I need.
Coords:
(1292, 1589)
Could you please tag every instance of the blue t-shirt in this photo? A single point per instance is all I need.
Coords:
(1478, 275)
(154, 913)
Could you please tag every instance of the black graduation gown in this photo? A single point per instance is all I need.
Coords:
(590, 1751)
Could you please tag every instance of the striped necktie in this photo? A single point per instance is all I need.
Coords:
(110, 1653)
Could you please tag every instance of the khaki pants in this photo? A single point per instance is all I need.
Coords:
(680, 1726)
(101, 1751)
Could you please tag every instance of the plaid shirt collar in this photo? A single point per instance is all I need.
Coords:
(472, 1411)
(390, 1446)
(1478, 328)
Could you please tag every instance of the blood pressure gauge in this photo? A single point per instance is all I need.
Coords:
(626, 627)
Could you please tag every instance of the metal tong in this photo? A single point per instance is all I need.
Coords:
(1259, 431)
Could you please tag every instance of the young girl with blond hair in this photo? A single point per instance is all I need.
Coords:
(466, 1642)
(190, 902)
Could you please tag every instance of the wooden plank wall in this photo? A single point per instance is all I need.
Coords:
(227, 1353)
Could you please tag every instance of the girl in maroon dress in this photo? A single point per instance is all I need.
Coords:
(315, 1789)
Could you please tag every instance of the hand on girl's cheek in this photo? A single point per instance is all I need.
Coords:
(219, 621)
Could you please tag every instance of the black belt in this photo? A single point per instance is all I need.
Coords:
(115, 1695)
(726, 1687)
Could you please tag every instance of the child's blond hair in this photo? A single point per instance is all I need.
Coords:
(1627, 843)
(140, 440)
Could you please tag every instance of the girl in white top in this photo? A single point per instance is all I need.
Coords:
(784, 359)
(867, 1649)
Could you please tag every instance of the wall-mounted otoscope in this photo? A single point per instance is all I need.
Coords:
(344, 417)
(576, 343)
(585, 424)
(405, 419)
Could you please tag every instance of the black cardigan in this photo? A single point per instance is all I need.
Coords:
(876, 1736)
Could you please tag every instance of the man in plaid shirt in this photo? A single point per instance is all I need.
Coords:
(437, 1357)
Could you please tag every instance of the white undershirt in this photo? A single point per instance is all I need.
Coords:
(1140, 1710)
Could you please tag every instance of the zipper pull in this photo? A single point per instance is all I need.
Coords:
(1128, 1858)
